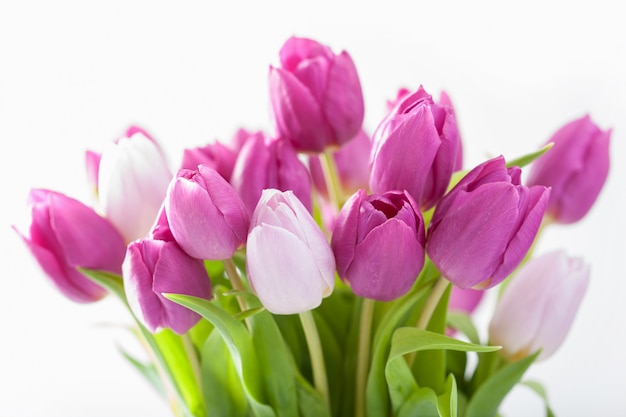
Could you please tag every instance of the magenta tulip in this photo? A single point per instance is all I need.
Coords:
(576, 168)
(205, 215)
(315, 96)
(153, 267)
(482, 229)
(65, 234)
(132, 180)
(378, 243)
(538, 307)
(270, 163)
(415, 149)
(215, 155)
(290, 265)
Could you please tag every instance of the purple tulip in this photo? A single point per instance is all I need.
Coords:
(270, 163)
(538, 307)
(576, 168)
(465, 300)
(481, 229)
(415, 149)
(132, 180)
(205, 215)
(315, 95)
(290, 265)
(65, 234)
(153, 267)
(352, 161)
(215, 155)
(378, 243)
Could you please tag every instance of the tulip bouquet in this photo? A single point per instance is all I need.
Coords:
(317, 270)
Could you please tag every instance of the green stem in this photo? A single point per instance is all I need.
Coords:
(194, 361)
(317, 355)
(363, 355)
(331, 177)
(235, 280)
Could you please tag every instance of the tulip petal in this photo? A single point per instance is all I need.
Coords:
(282, 271)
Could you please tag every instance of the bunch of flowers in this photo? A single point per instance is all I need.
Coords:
(318, 271)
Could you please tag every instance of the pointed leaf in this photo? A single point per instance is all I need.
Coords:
(462, 322)
(541, 391)
(528, 158)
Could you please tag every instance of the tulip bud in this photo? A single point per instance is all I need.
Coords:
(352, 161)
(270, 163)
(65, 234)
(378, 243)
(482, 229)
(465, 300)
(290, 265)
(576, 168)
(538, 307)
(205, 215)
(153, 267)
(132, 180)
(215, 155)
(415, 149)
(315, 96)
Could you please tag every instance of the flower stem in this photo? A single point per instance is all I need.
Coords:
(317, 356)
(235, 280)
(331, 177)
(363, 355)
(192, 355)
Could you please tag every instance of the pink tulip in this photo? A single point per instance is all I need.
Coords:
(538, 307)
(153, 267)
(290, 265)
(378, 243)
(205, 215)
(270, 163)
(132, 180)
(315, 95)
(415, 149)
(465, 300)
(482, 229)
(576, 168)
(65, 234)
(215, 155)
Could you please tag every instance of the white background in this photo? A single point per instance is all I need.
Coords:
(73, 76)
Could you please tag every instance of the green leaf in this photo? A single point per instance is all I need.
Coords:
(448, 401)
(462, 322)
(113, 283)
(541, 391)
(221, 387)
(240, 345)
(528, 158)
(487, 398)
(310, 402)
(423, 402)
(411, 339)
(149, 372)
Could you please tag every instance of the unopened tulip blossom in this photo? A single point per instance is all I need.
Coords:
(133, 177)
(378, 241)
(315, 96)
(290, 264)
(215, 155)
(482, 229)
(415, 149)
(205, 215)
(538, 307)
(153, 267)
(265, 162)
(576, 167)
(65, 234)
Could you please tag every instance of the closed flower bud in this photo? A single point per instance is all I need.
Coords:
(270, 163)
(482, 229)
(153, 267)
(352, 161)
(315, 95)
(215, 155)
(290, 265)
(205, 215)
(465, 300)
(538, 307)
(415, 149)
(132, 180)
(378, 243)
(576, 168)
(65, 234)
